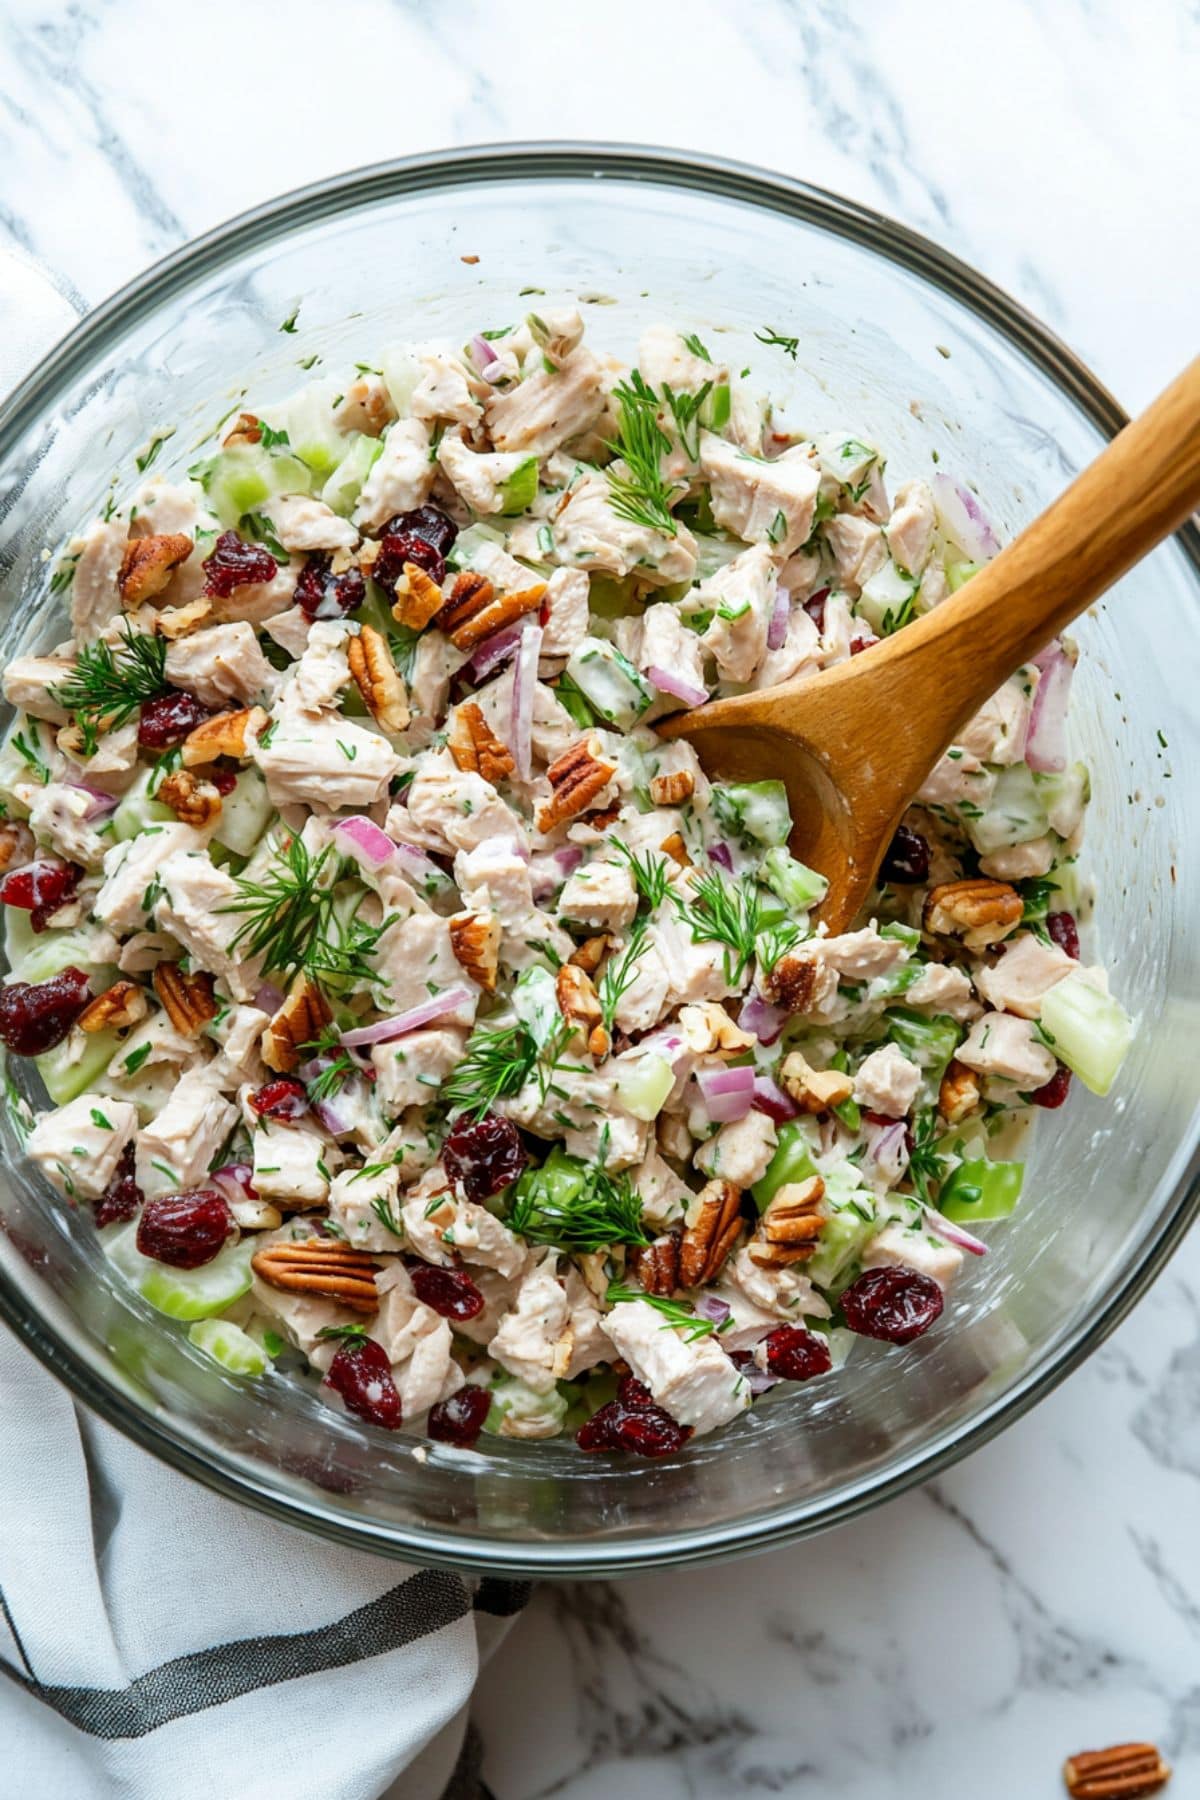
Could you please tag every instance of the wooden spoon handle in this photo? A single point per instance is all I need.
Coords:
(945, 665)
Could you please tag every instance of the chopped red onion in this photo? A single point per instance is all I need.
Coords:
(777, 629)
(482, 351)
(416, 1016)
(888, 1146)
(495, 651)
(727, 1093)
(267, 997)
(721, 854)
(417, 866)
(100, 804)
(236, 1182)
(963, 519)
(763, 1019)
(758, 1380)
(708, 1306)
(952, 1233)
(334, 1121)
(676, 686)
(770, 1098)
(368, 844)
(524, 681)
(1046, 740)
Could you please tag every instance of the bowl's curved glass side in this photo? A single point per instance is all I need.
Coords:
(897, 359)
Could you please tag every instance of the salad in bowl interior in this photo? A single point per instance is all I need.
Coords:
(413, 1022)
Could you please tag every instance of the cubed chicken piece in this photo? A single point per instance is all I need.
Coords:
(400, 477)
(79, 1146)
(1002, 1045)
(115, 753)
(238, 1030)
(799, 653)
(769, 503)
(58, 817)
(742, 598)
(600, 895)
(221, 664)
(588, 534)
(666, 360)
(590, 1343)
(129, 871)
(694, 971)
(481, 477)
(416, 960)
(665, 1196)
(300, 1317)
(547, 408)
(910, 526)
(958, 777)
(667, 644)
(291, 1165)
(739, 1152)
(499, 1296)
(787, 1293)
(430, 1374)
(534, 1341)
(998, 731)
(900, 1247)
(444, 391)
(459, 807)
(942, 989)
(484, 1241)
(302, 524)
(495, 878)
(613, 1133)
(859, 955)
(857, 470)
(290, 630)
(427, 1214)
(1024, 974)
(28, 684)
(193, 902)
(1022, 862)
(435, 662)
(176, 1150)
(887, 1082)
(257, 602)
(366, 406)
(322, 671)
(411, 1069)
(858, 546)
(648, 995)
(156, 1043)
(695, 1382)
(567, 603)
(329, 763)
(95, 599)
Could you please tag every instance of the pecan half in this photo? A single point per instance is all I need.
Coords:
(379, 680)
(418, 597)
(791, 1226)
(475, 747)
(475, 941)
(475, 610)
(791, 983)
(223, 735)
(302, 1017)
(672, 789)
(576, 994)
(978, 911)
(676, 849)
(190, 797)
(814, 1090)
(959, 1093)
(320, 1267)
(187, 999)
(707, 1027)
(124, 1003)
(247, 429)
(577, 777)
(175, 622)
(590, 953)
(1119, 1773)
(716, 1216)
(656, 1265)
(148, 564)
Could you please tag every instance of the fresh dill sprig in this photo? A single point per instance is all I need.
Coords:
(724, 912)
(641, 494)
(106, 687)
(332, 1076)
(292, 921)
(620, 973)
(651, 874)
(925, 1165)
(497, 1061)
(386, 1216)
(777, 940)
(26, 750)
(685, 409)
(606, 1210)
(696, 347)
(789, 345)
(674, 1312)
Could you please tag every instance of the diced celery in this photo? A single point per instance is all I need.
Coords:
(535, 1001)
(958, 572)
(930, 1043)
(181, 1293)
(643, 1087)
(342, 489)
(229, 1345)
(518, 493)
(978, 1189)
(312, 434)
(401, 373)
(797, 885)
(792, 1161)
(579, 707)
(887, 598)
(138, 807)
(244, 813)
(67, 1076)
(1089, 1030)
(540, 1414)
(754, 811)
(714, 413)
(610, 684)
(239, 480)
(908, 935)
(36, 955)
(850, 1220)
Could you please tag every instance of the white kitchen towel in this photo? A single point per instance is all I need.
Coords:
(158, 1642)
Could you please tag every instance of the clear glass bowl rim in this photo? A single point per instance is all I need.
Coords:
(87, 344)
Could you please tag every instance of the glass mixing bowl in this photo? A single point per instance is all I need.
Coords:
(904, 346)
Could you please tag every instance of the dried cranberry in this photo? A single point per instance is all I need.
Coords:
(1064, 931)
(815, 608)
(1055, 1090)
(448, 1291)
(643, 1428)
(284, 1098)
(40, 888)
(398, 547)
(634, 1394)
(484, 1155)
(184, 1230)
(894, 1304)
(35, 1018)
(223, 777)
(906, 857)
(165, 722)
(796, 1354)
(361, 1373)
(122, 1197)
(859, 644)
(428, 522)
(459, 1420)
(320, 594)
(233, 563)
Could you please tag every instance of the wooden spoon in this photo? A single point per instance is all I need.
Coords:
(853, 745)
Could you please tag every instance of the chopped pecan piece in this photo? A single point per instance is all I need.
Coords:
(563, 1350)
(187, 999)
(124, 1003)
(378, 679)
(223, 735)
(959, 1093)
(320, 1266)
(175, 622)
(148, 565)
(716, 1219)
(475, 941)
(791, 983)
(16, 844)
(707, 1027)
(791, 1226)
(676, 849)
(672, 789)
(302, 1018)
(247, 429)
(578, 775)
(577, 1001)
(656, 1265)
(814, 1090)
(475, 610)
(1119, 1773)
(190, 797)
(590, 953)
(978, 911)
(418, 597)
(475, 747)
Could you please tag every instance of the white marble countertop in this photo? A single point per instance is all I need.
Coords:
(1046, 1594)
